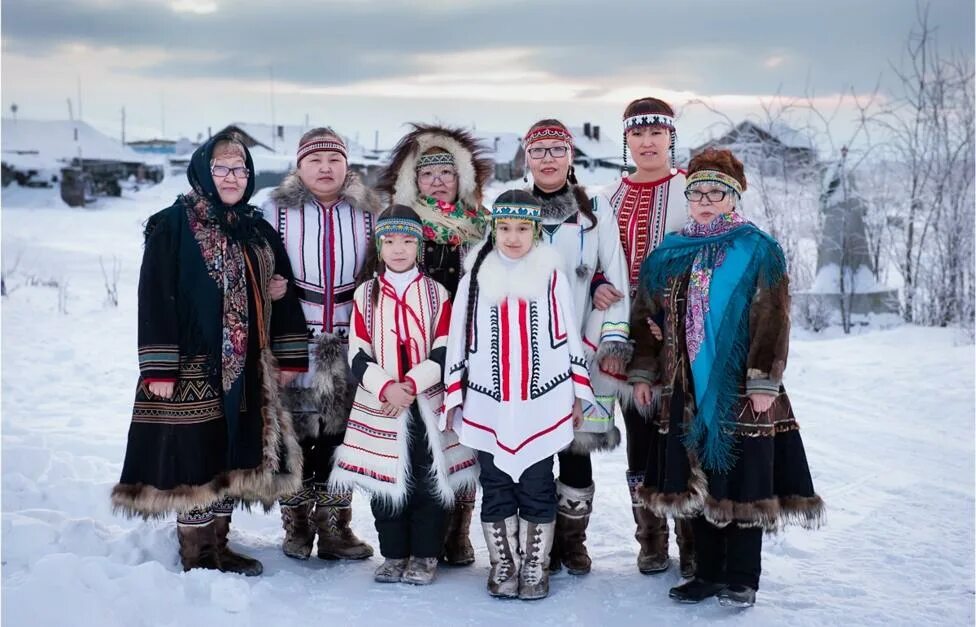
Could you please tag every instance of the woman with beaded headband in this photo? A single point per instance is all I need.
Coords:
(516, 384)
(208, 427)
(439, 172)
(729, 454)
(324, 215)
(587, 241)
(647, 204)
(393, 447)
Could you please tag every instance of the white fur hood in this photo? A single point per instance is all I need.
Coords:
(527, 278)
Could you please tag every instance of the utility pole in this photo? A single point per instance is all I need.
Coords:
(123, 126)
(79, 98)
(274, 126)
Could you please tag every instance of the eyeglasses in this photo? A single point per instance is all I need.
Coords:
(445, 176)
(221, 170)
(557, 152)
(714, 195)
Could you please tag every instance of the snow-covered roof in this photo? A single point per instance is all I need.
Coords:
(55, 141)
(286, 141)
(604, 148)
(501, 147)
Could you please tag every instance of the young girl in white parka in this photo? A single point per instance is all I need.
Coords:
(516, 381)
(393, 447)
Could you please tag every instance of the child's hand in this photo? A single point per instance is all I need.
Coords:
(761, 402)
(655, 330)
(399, 395)
(613, 365)
(577, 414)
(449, 424)
(642, 393)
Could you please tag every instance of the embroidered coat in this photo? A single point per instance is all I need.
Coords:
(399, 339)
(203, 444)
(516, 385)
(585, 251)
(327, 246)
(769, 483)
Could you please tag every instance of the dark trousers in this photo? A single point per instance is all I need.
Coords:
(730, 555)
(638, 438)
(417, 527)
(575, 470)
(317, 457)
(532, 497)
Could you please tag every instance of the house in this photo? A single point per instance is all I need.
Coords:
(159, 146)
(46, 152)
(594, 149)
(505, 149)
(771, 149)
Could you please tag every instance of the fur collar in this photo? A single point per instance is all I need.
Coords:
(293, 193)
(558, 206)
(527, 279)
(399, 179)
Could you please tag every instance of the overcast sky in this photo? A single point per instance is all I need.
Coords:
(371, 65)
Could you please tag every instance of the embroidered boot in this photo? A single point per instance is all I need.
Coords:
(651, 534)
(296, 511)
(686, 546)
(457, 543)
(535, 540)
(572, 518)
(197, 545)
(231, 561)
(503, 553)
(333, 513)
(390, 571)
(420, 571)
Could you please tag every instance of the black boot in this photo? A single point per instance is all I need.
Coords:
(695, 591)
(737, 596)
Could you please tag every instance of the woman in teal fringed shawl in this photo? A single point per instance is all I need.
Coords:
(711, 325)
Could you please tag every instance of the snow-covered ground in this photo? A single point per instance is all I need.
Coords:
(887, 418)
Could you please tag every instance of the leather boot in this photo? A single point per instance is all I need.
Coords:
(535, 541)
(572, 518)
(651, 534)
(197, 546)
(503, 553)
(299, 532)
(333, 513)
(686, 546)
(231, 561)
(457, 543)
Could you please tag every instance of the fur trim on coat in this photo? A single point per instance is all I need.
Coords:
(293, 193)
(475, 169)
(331, 391)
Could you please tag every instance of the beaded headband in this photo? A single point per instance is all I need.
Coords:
(714, 176)
(547, 132)
(321, 145)
(516, 211)
(437, 158)
(398, 226)
(648, 119)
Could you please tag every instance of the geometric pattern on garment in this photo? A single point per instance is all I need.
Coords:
(194, 399)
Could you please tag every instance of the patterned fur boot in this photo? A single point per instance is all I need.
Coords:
(572, 518)
(503, 552)
(535, 541)
(296, 512)
(651, 534)
(686, 546)
(231, 561)
(457, 543)
(420, 571)
(333, 513)
(197, 546)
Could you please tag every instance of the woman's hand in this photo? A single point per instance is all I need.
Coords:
(613, 365)
(761, 402)
(643, 394)
(287, 376)
(605, 296)
(277, 287)
(577, 414)
(162, 389)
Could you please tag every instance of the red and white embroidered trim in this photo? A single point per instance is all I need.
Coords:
(320, 145)
(547, 132)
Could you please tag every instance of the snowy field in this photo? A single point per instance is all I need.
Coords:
(887, 419)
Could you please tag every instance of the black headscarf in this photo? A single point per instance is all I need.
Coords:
(237, 221)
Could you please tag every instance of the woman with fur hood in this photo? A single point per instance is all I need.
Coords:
(208, 427)
(324, 215)
(730, 457)
(439, 172)
(587, 241)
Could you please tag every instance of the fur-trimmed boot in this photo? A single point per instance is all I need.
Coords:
(197, 546)
(535, 542)
(651, 534)
(503, 553)
(231, 561)
(457, 543)
(686, 546)
(296, 514)
(572, 518)
(333, 513)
